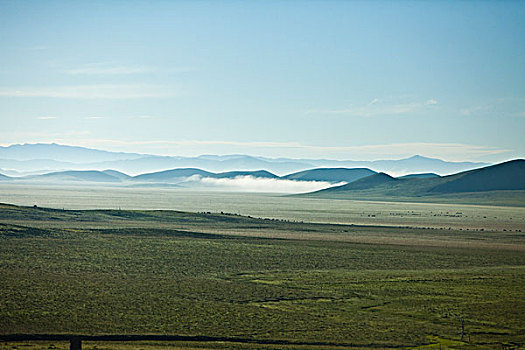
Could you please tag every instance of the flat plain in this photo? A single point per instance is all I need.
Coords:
(378, 213)
(258, 283)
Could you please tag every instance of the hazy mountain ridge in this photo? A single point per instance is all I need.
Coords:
(257, 173)
(501, 184)
(367, 182)
(62, 153)
(507, 176)
(419, 176)
(43, 158)
(74, 175)
(330, 174)
(172, 174)
(412, 165)
(500, 177)
(167, 176)
(117, 174)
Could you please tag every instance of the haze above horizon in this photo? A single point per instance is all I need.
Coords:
(338, 80)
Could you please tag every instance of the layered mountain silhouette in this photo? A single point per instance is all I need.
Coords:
(112, 176)
(508, 176)
(507, 180)
(420, 176)
(412, 165)
(234, 174)
(368, 182)
(173, 174)
(61, 153)
(505, 176)
(73, 175)
(330, 174)
(44, 158)
(117, 174)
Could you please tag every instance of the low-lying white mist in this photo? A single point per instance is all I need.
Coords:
(248, 183)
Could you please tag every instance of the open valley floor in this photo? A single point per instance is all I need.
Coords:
(247, 283)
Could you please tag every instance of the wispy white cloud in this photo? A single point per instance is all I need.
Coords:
(257, 184)
(474, 109)
(96, 117)
(163, 143)
(107, 69)
(93, 91)
(502, 107)
(378, 107)
(46, 117)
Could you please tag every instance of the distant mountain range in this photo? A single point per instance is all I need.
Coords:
(419, 176)
(507, 176)
(174, 176)
(28, 159)
(62, 153)
(76, 175)
(507, 179)
(330, 174)
(414, 165)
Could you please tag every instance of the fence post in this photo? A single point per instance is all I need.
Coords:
(75, 343)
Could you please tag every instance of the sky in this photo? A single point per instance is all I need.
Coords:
(303, 79)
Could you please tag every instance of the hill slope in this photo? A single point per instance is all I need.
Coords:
(419, 176)
(364, 183)
(76, 175)
(505, 176)
(330, 174)
(508, 176)
(117, 174)
(257, 173)
(173, 174)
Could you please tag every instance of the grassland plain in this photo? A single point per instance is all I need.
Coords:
(364, 212)
(271, 283)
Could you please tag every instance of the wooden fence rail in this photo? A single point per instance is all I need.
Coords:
(75, 340)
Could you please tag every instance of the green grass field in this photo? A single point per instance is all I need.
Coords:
(500, 198)
(364, 212)
(307, 285)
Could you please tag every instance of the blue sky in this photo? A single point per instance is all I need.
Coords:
(310, 79)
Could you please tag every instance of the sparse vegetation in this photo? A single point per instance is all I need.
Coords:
(165, 272)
